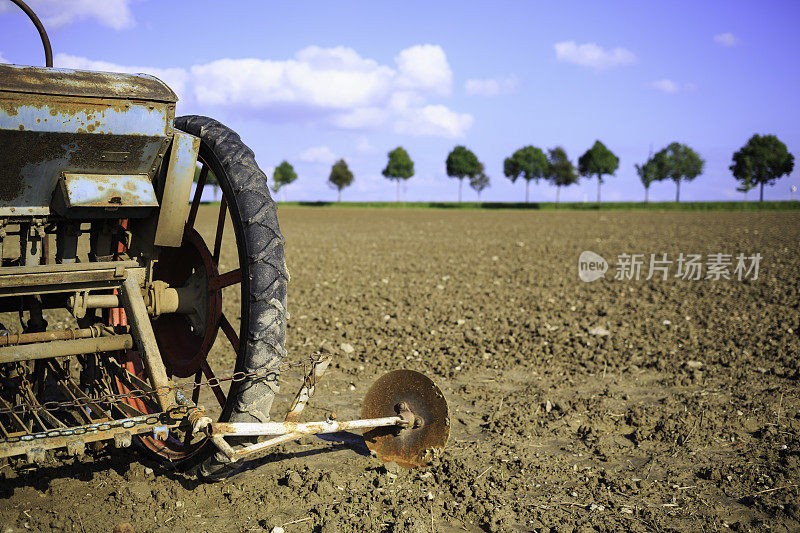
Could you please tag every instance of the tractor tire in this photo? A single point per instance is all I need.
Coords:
(264, 278)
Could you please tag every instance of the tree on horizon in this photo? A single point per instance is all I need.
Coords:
(284, 175)
(462, 163)
(763, 160)
(340, 177)
(399, 168)
(679, 163)
(598, 161)
(647, 174)
(479, 183)
(529, 162)
(560, 170)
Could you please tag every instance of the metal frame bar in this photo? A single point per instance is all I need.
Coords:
(62, 348)
(64, 274)
(286, 431)
(142, 329)
(308, 389)
(257, 429)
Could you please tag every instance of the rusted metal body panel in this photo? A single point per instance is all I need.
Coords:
(83, 83)
(55, 121)
(177, 187)
(96, 195)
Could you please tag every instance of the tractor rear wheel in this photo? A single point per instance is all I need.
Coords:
(259, 281)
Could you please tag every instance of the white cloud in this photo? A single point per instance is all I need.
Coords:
(3, 59)
(363, 145)
(435, 120)
(329, 86)
(491, 86)
(665, 85)
(176, 78)
(726, 39)
(671, 87)
(364, 118)
(424, 68)
(56, 14)
(401, 101)
(318, 154)
(335, 78)
(592, 55)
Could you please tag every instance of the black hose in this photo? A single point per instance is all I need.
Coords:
(48, 52)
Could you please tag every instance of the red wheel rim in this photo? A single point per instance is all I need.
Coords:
(182, 351)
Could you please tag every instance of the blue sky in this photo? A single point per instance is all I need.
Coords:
(313, 81)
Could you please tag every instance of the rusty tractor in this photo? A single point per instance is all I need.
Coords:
(99, 233)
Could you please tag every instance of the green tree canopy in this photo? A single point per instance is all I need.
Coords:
(462, 163)
(529, 162)
(598, 161)
(399, 167)
(283, 175)
(340, 177)
(647, 174)
(761, 161)
(479, 183)
(679, 163)
(560, 170)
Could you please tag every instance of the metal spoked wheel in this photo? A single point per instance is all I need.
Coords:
(185, 340)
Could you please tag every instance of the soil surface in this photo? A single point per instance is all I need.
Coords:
(636, 405)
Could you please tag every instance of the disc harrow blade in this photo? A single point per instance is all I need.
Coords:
(416, 444)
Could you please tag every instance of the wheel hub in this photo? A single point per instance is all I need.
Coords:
(185, 337)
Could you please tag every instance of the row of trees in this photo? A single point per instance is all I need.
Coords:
(761, 161)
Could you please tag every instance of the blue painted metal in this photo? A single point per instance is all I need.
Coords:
(30, 114)
(56, 121)
(94, 190)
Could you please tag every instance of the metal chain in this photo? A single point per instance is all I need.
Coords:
(136, 394)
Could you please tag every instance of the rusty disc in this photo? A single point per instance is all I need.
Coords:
(411, 446)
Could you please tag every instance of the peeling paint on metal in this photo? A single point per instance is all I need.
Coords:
(93, 190)
(83, 83)
(57, 120)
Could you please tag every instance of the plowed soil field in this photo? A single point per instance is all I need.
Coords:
(618, 404)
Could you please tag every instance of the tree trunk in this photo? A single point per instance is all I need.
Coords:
(460, 180)
(646, 194)
(339, 198)
(598, 188)
(398, 191)
(678, 191)
(527, 186)
(558, 192)
(761, 196)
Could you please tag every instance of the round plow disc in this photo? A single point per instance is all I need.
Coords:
(415, 445)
